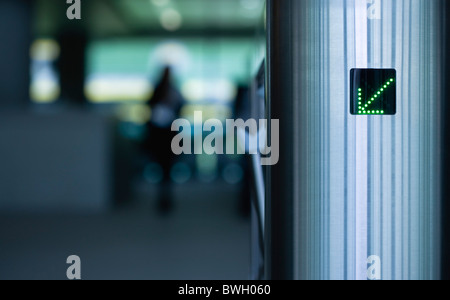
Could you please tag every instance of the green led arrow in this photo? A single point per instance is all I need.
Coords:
(365, 109)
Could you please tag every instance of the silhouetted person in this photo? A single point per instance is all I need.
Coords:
(242, 110)
(165, 105)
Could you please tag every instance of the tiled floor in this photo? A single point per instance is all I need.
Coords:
(204, 238)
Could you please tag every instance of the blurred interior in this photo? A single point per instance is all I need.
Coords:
(73, 113)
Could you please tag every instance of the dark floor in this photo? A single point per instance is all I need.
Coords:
(204, 238)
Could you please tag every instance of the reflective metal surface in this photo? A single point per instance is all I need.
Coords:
(351, 187)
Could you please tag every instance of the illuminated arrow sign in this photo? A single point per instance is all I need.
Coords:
(373, 92)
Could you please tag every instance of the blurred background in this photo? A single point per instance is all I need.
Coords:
(81, 170)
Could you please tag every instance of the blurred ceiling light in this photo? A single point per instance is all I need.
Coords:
(44, 90)
(160, 2)
(193, 90)
(251, 4)
(225, 90)
(173, 54)
(251, 8)
(196, 90)
(101, 89)
(171, 19)
(44, 86)
(44, 50)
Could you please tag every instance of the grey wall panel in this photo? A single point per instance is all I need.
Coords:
(59, 163)
(362, 185)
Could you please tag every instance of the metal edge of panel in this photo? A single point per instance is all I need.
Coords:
(445, 247)
(280, 206)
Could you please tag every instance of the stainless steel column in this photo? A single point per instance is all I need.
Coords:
(350, 187)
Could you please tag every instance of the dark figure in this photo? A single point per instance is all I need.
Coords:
(242, 110)
(165, 105)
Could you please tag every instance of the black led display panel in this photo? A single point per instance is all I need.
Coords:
(373, 92)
